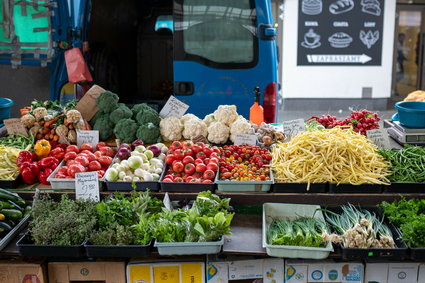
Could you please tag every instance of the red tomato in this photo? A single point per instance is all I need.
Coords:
(214, 154)
(178, 167)
(168, 180)
(86, 146)
(169, 159)
(206, 181)
(70, 155)
(106, 150)
(99, 145)
(188, 159)
(197, 175)
(105, 160)
(169, 176)
(193, 180)
(100, 174)
(73, 148)
(82, 160)
(188, 152)
(199, 161)
(201, 167)
(85, 151)
(63, 170)
(214, 160)
(70, 162)
(94, 166)
(176, 145)
(178, 180)
(60, 176)
(75, 168)
(207, 151)
(91, 156)
(215, 149)
(212, 166)
(227, 175)
(201, 155)
(98, 154)
(196, 148)
(189, 178)
(187, 144)
(178, 154)
(209, 174)
(206, 160)
(189, 168)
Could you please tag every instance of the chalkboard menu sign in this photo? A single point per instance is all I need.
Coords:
(340, 32)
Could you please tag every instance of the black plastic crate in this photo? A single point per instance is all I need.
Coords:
(118, 251)
(348, 188)
(404, 188)
(417, 253)
(11, 184)
(26, 247)
(299, 188)
(128, 186)
(374, 254)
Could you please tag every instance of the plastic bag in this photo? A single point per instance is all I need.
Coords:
(77, 68)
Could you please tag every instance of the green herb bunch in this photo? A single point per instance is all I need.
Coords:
(67, 222)
(409, 215)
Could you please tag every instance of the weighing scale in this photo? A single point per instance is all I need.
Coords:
(405, 135)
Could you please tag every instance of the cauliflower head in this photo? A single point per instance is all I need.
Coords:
(187, 117)
(226, 114)
(39, 113)
(240, 126)
(28, 120)
(171, 129)
(209, 119)
(218, 133)
(195, 127)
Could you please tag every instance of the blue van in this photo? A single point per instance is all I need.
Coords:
(206, 52)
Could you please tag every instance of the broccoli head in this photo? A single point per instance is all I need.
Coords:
(104, 125)
(122, 112)
(107, 101)
(148, 116)
(140, 108)
(95, 117)
(125, 130)
(148, 133)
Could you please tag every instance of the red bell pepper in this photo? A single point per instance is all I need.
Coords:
(29, 172)
(58, 153)
(44, 174)
(62, 145)
(48, 162)
(53, 144)
(24, 156)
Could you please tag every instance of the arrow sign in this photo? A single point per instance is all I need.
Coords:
(339, 58)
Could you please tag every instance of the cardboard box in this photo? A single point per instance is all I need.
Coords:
(67, 272)
(323, 272)
(403, 272)
(245, 271)
(376, 273)
(87, 104)
(21, 272)
(166, 272)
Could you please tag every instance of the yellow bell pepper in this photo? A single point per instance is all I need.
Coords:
(42, 148)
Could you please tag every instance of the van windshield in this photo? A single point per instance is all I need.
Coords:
(218, 31)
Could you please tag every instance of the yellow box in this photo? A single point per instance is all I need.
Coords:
(163, 272)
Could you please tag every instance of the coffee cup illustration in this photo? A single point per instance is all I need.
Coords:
(311, 40)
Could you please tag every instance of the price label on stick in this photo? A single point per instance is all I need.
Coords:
(14, 125)
(379, 137)
(293, 127)
(173, 107)
(245, 139)
(90, 137)
(87, 186)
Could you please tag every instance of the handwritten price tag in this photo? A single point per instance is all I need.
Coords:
(293, 127)
(14, 125)
(245, 139)
(379, 137)
(87, 186)
(173, 107)
(90, 137)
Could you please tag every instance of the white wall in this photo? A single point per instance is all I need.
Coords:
(334, 81)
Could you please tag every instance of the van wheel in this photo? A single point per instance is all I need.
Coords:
(105, 65)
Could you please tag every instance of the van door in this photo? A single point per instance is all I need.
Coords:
(222, 50)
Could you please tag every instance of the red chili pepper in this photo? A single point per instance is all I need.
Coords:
(29, 172)
(48, 162)
(24, 156)
(42, 177)
(58, 153)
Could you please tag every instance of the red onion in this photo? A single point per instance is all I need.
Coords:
(137, 142)
(155, 150)
(124, 153)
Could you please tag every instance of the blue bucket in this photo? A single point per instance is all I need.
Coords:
(410, 113)
(5, 107)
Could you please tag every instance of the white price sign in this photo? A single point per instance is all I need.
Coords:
(245, 139)
(90, 137)
(379, 137)
(87, 186)
(173, 107)
(293, 127)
